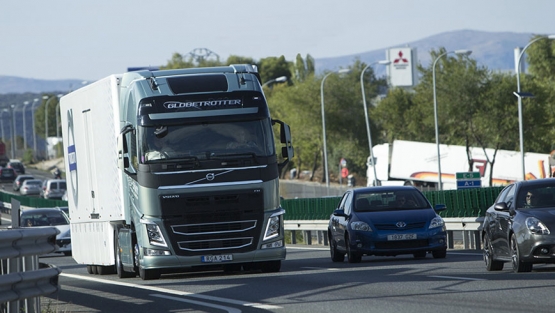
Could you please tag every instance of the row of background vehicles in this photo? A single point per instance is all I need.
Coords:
(27, 185)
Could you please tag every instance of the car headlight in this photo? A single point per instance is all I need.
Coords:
(362, 226)
(536, 226)
(436, 222)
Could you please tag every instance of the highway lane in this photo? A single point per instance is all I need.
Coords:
(310, 282)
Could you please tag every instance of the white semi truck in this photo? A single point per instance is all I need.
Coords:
(415, 163)
(168, 170)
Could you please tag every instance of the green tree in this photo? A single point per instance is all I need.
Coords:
(274, 67)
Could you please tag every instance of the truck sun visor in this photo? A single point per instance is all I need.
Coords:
(198, 83)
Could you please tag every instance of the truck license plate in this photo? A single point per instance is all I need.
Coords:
(401, 237)
(216, 258)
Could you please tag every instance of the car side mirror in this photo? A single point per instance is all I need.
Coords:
(440, 207)
(501, 206)
(339, 212)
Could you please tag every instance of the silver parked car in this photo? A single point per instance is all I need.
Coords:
(31, 187)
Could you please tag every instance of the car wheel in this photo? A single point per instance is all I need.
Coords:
(336, 256)
(419, 255)
(439, 254)
(352, 256)
(491, 264)
(518, 265)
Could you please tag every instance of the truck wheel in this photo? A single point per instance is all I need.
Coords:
(270, 266)
(90, 269)
(119, 267)
(149, 274)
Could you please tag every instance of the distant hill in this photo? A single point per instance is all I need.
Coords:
(495, 50)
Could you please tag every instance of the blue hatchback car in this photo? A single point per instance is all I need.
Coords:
(386, 221)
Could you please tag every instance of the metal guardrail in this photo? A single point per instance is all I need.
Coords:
(466, 229)
(23, 279)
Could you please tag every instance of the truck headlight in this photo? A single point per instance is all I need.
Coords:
(273, 227)
(155, 235)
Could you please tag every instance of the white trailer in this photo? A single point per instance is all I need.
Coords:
(415, 163)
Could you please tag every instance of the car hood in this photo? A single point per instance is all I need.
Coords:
(407, 216)
(546, 215)
(64, 231)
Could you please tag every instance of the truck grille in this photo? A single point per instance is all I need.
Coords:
(222, 223)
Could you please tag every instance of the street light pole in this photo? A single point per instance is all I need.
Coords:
(459, 52)
(382, 62)
(24, 126)
(326, 173)
(280, 79)
(13, 131)
(520, 130)
(35, 101)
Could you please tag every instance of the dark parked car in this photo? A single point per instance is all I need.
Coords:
(19, 180)
(386, 221)
(7, 174)
(517, 227)
(18, 167)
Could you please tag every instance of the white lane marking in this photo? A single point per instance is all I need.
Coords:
(321, 268)
(215, 306)
(306, 248)
(457, 278)
(173, 292)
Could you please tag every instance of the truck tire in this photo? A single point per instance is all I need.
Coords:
(270, 266)
(149, 274)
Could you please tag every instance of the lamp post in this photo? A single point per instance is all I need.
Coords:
(35, 101)
(46, 120)
(2, 125)
(520, 100)
(326, 173)
(24, 126)
(382, 62)
(459, 52)
(280, 79)
(13, 131)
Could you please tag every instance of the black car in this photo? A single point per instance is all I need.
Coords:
(7, 174)
(17, 166)
(517, 227)
(386, 221)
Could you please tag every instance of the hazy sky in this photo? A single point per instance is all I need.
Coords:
(90, 39)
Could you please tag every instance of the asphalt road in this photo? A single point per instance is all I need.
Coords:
(310, 282)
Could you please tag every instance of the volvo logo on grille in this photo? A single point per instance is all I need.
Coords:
(210, 176)
(401, 224)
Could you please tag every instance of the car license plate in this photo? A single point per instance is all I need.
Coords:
(216, 258)
(401, 237)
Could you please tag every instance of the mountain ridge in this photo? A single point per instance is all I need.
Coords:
(495, 50)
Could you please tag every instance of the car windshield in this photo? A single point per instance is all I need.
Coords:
(390, 200)
(199, 142)
(53, 218)
(536, 197)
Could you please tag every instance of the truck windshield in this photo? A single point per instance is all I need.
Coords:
(201, 141)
